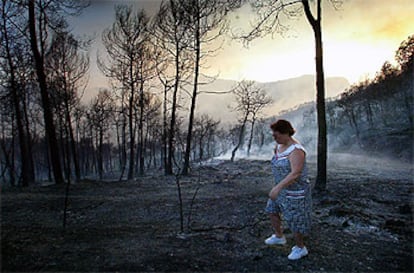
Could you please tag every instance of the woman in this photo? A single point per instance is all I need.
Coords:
(291, 195)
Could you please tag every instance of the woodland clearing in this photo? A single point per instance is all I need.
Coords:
(362, 223)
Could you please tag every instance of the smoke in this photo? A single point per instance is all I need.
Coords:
(373, 165)
(256, 153)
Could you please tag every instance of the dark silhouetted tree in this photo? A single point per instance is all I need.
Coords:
(250, 100)
(131, 64)
(101, 115)
(44, 16)
(269, 21)
(14, 58)
(67, 69)
(207, 24)
(173, 35)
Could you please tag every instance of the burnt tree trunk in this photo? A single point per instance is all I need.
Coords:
(320, 95)
(233, 153)
(186, 166)
(52, 142)
(27, 172)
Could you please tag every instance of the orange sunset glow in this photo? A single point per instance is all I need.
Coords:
(358, 37)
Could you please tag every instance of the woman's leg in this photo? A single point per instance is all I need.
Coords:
(299, 239)
(276, 222)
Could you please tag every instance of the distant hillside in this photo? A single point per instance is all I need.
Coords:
(291, 92)
(285, 93)
(375, 118)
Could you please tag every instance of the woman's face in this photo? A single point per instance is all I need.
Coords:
(279, 137)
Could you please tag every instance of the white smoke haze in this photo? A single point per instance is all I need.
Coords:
(373, 165)
(256, 153)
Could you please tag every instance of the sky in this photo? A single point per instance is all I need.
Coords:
(357, 39)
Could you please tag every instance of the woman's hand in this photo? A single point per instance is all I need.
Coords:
(274, 192)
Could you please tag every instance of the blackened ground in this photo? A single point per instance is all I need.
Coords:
(362, 223)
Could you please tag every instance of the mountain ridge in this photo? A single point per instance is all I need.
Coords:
(285, 93)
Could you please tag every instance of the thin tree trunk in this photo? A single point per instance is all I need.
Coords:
(180, 201)
(29, 142)
(141, 130)
(27, 174)
(100, 154)
(47, 111)
(171, 133)
(321, 110)
(118, 140)
(233, 153)
(131, 137)
(66, 205)
(63, 145)
(249, 145)
(123, 151)
(68, 152)
(186, 166)
(164, 132)
(131, 124)
(320, 95)
(72, 142)
(74, 151)
(201, 150)
(8, 161)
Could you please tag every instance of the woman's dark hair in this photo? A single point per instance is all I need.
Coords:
(283, 126)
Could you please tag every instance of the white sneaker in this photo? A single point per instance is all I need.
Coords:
(274, 240)
(298, 253)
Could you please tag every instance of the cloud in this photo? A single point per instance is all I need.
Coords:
(371, 20)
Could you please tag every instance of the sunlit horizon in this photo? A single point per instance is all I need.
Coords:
(351, 60)
(358, 39)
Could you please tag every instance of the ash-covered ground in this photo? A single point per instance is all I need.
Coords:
(362, 223)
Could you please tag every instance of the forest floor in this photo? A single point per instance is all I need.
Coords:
(363, 223)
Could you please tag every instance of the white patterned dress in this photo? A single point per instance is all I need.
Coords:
(295, 201)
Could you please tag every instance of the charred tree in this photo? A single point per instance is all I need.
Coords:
(250, 101)
(315, 22)
(126, 44)
(207, 24)
(101, 114)
(172, 35)
(53, 146)
(10, 48)
(66, 70)
(269, 21)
